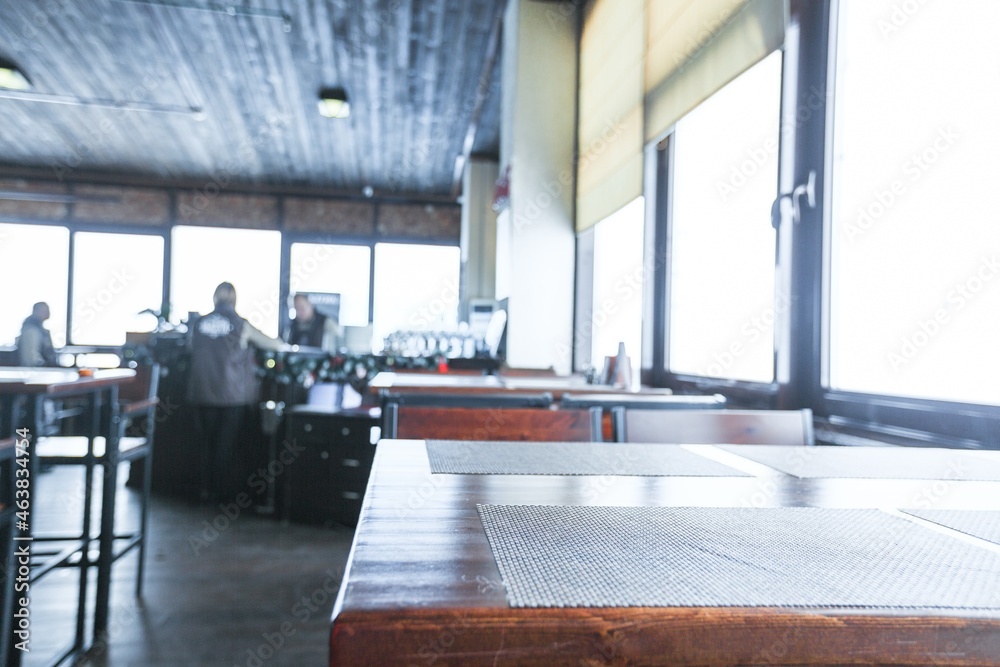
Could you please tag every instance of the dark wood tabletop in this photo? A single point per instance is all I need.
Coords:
(59, 381)
(422, 586)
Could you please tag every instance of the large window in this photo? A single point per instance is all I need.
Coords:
(416, 288)
(341, 269)
(35, 261)
(203, 257)
(721, 282)
(914, 300)
(619, 280)
(115, 278)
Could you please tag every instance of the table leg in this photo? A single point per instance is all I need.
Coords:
(107, 534)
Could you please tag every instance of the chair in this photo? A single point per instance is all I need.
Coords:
(748, 427)
(483, 417)
(137, 405)
(601, 405)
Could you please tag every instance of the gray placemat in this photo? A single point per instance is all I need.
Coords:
(983, 524)
(461, 457)
(573, 556)
(874, 462)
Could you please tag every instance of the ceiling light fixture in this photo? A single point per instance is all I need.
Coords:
(11, 77)
(333, 103)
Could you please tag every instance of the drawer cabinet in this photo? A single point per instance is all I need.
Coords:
(326, 483)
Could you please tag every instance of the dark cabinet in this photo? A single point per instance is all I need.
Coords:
(334, 450)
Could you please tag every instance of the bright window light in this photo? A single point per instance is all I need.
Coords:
(115, 277)
(203, 257)
(722, 300)
(914, 302)
(35, 258)
(416, 288)
(340, 269)
(619, 280)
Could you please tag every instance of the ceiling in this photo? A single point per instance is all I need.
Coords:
(181, 90)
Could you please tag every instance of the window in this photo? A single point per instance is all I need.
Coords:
(341, 269)
(721, 280)
(203, 257)
(416, 288)
(914, 298)
(115, 277)
(35, 258)
(619, 275)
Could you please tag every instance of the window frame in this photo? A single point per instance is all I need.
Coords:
(803, 269)
(112, 228)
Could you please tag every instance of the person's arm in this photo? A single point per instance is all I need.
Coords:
(331, 335)
(29, 347)
(259, 339)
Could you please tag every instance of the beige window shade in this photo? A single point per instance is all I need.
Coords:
(610, 130)
(695, 47)
(643, 65)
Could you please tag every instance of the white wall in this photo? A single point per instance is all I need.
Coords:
(537, 139)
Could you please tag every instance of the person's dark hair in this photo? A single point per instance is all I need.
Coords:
(225, 293)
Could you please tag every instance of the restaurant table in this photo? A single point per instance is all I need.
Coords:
(464, 383)
(25, 390)
(423, 585)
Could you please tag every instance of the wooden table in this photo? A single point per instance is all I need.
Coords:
(451, 383)
(30, 387)
(422, 586)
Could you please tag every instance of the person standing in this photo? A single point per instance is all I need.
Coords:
(34, 345)
(224, 389)
(312, 329)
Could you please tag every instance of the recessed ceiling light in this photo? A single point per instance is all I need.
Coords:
(12, 79)
(333, 103)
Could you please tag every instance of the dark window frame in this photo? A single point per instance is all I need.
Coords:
(802, 267)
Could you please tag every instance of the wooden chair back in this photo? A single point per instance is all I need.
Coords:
(497, 423)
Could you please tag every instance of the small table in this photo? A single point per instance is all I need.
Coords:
(422, 585)
(32, 386)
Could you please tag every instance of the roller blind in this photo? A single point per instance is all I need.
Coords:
(695, 47)
(643, 65)
(610, 130)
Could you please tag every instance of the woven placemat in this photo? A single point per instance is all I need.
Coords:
(874, 462)
(460, 457)
(573, 556)
(983, 524)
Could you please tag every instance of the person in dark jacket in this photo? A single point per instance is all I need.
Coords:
(34, 345)
(224, 389)
(310, 328)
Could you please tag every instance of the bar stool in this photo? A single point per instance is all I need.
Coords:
(137, 403)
